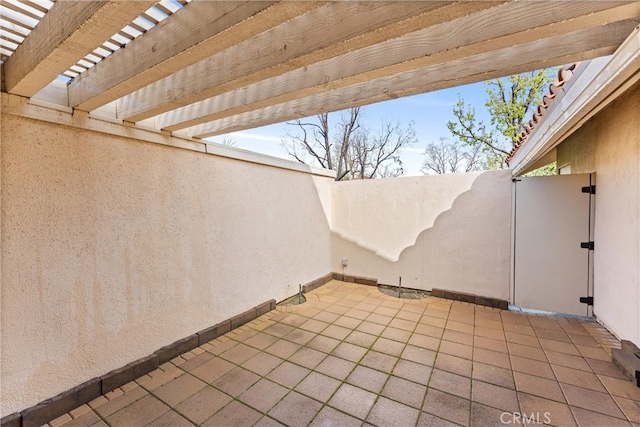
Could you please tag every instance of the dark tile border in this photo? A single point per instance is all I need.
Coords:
(317, 283)
(12, 420)
(626, 360)
(52, 408)
(471, 298)
(130, 372)
(175, 349)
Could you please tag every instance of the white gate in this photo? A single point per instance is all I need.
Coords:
(553, 243)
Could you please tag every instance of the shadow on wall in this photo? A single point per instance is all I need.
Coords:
(467, 249)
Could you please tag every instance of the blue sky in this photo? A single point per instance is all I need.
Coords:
(429, 113)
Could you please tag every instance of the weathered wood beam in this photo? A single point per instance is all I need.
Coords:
(197, 31)
(492, 29)
(563, 48)
(334, 29)
(70, 30)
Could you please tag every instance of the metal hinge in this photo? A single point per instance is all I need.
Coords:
(586, 300)
(587, 245)
(591, 189)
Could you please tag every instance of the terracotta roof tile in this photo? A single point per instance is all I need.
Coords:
(564, 75)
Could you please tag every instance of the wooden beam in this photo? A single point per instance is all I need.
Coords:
(300, 42)
(197, 31)
(491, 29)
(576, 46)
(69, 31)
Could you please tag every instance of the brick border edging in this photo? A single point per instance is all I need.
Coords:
(471, 298)
(52, 408)
(626, 360)
(338, 276)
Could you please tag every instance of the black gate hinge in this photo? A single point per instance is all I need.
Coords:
(586, 300)
(591, 189)
(587, 245)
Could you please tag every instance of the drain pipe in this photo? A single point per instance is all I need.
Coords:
(300, 294)
(399, 286)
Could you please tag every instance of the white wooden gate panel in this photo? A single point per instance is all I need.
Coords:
(552, 219)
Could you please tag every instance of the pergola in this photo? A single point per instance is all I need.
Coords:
(204, 68)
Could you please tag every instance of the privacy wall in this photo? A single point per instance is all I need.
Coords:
(113, 248)
(449, 231)
(609, 145)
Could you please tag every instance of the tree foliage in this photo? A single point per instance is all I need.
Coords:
(510, 102)
(350, 148)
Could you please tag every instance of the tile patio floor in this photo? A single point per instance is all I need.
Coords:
(352, 356)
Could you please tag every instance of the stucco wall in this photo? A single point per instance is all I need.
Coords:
(112, 248)
(449, 231)
(609, 144)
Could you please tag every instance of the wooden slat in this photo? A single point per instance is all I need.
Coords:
(196, 31)
(69, 31)
(302, 41)
(489, 29)
(576, 46)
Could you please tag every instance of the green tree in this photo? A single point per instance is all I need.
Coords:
(510, 102)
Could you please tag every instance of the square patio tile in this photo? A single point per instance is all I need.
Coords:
(387, 346)
(424, 341)
(371, 328)
(578, 378)
(263, 395)
(453, 364)
(395, 334)
(283, 349)
(202, 405)
(361, 339)
(347, 322)
(330, 417)
(494, 358)
(586, 418)
(621, 388)
(456, 349)
(451, 383)
(419, 355)
(413, 371)
(262, 363)
(236, 381)
(323, 344)
(447, 406)
(179, 389)
(353, 401)
(337, 332)
(380, 361)
(490, 344)
(308, 357)
(429, 420)
(335, 367)
(169, 419)
(296, 409)
(404, 391)
(318, 386)
(261, 340)
(591, 400)
(482, 415)
(568, 360)
(532, 367)
(239, 354)
(288, 374)
(559, 414)
(141, 412)
(349, 351)
(368, 379)
(235, 414)
(631, 408)
(497, 397)
(212, 370)
(387, 412)
(538, 386)
(493, 374)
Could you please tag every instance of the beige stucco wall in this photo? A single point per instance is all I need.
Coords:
(112, 248)
(609, 144)
(448, 231)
